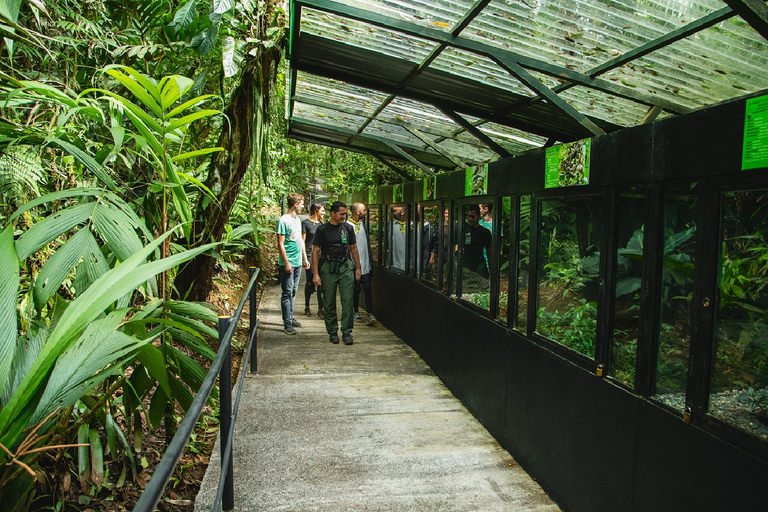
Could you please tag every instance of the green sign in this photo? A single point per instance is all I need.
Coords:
(476, 180)
(755, 152)
(567, 164)
(372, 195)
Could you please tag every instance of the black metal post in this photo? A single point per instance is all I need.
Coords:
(252, 322)
(225, 417)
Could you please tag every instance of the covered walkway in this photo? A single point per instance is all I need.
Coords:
(363, 427)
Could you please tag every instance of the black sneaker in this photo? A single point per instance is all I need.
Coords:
(307, 312)
(295, 322)
(347, 337)
(334, 338)
(289, 329)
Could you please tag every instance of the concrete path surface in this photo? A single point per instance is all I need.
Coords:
(366, 427)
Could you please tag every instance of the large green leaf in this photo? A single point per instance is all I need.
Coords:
(86, 308)
(52, 227)
(9, 289)
(57, 196)
(98, 353)
(59, 265)
(93, 266)
(154, 361)
(87, 160)
(144, 90)
(190, 118)
(192, 309)
(117, 230)
(184, 16)
(27, 349)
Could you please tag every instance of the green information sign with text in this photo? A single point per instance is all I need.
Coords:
(755, 152)
(567, 165)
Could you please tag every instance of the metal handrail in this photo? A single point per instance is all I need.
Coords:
(221, 367)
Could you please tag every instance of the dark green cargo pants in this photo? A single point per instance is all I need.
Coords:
(345, 281)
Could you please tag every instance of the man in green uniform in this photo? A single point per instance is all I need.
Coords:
(340, 266)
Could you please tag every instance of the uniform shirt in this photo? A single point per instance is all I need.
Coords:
(290, 226)
(329, 238)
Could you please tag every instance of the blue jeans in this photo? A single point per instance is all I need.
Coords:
(289, 283)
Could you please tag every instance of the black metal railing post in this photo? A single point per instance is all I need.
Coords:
(225, 419)
(221, 368)
(252, 321)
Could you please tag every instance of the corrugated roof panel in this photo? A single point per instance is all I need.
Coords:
(600, 105)
(436, 14)
(334, 92)
(479, 68)
(364, 35)
(515, 141)
(580, 34)
(393, 132)
(422, 116)
(470, 153)
(716, 64)
(327, 116)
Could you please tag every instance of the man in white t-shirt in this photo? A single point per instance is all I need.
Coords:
(355, 218)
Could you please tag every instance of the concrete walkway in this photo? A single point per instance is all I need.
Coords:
(325, 427)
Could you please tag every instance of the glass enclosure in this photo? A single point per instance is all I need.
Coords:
(569, 262)
(629, 265)
(523, 262)
(739, 380)
(398, 237)
(428, 216)
(677, 296)
(373, 230)
(505, 236)
(475, 249)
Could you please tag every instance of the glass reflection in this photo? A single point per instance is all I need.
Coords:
(475, 254)
(504, 245)
(373, 229)
(677, 294)
(629, 265)
(739, 381)
(569, 264)
(523, 262)
(428, 220)
(399, 237)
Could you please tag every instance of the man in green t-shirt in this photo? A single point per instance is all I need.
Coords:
(293, 256)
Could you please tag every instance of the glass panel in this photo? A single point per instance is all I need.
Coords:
(629, 265)
(505, 218)
(398, 237)
(456, 219)
(413, 254)
(445, 248)
(428, 241)
(739, 384)
(569, 264)
(373, 229)
(524, 260)
(476, 253)
(677, 293)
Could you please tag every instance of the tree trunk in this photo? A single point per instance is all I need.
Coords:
(195, 279)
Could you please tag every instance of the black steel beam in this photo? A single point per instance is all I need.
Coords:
(476, 133)
(547, 94)
(415, 161)
(391, 165)
(754, 12)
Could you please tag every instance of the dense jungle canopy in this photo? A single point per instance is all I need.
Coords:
(142, 149)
